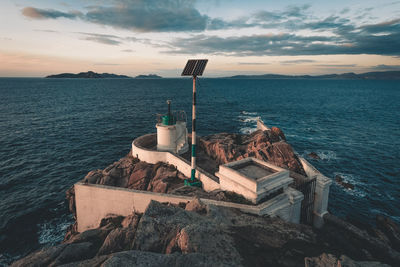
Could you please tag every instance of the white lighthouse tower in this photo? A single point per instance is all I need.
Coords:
(172, 132)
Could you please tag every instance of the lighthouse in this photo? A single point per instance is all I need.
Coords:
(172, 132)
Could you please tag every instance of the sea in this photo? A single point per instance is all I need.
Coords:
(54, 131)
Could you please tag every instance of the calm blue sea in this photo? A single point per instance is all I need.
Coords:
(54, 131)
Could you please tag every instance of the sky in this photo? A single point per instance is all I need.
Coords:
(133, 37)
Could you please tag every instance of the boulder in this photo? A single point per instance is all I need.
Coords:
(355, 242)
(390, 229)
(329, 260)
(207, 235)
(197, 206)
(314, 155)
(279, 133)
(140, 176)
(339, 180)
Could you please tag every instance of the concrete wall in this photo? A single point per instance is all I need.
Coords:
(321, 197)
(210, 183)
(95, 202)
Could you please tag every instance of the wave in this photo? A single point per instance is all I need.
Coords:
(53, 231)
(248, 113)
(325, 155)
(249, 121)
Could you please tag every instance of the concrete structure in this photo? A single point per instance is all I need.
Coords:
(95, 202)
(323, 184)
(264, 184)
(253, 178)
(172, 138)
(143, 148)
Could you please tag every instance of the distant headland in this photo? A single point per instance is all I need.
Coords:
(89, 74)
(150, 76)
(92, 74)
(382, 75)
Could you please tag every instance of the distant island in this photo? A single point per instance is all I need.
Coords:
(150, 76)
(95, 75)
(89, 74)
(383, 75)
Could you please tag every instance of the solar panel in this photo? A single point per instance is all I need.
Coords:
(194, 67)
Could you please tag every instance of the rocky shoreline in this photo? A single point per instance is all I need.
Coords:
(206, 235)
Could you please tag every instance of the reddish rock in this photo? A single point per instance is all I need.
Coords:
(197, 206)
(278, 132)
(140, 177)
(265, 145)
(314, 155)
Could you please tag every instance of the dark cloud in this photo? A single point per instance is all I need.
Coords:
(37, 13)
(101, 38)
(128, 50)
(346, 38)
(296, 61)
(387, 26)
(138, 15)
(334, 34)
(255, 45)
(384, 67)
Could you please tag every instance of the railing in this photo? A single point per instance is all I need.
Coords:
(307, 187)
(177, 115)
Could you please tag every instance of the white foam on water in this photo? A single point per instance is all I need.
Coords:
(248, 119)
(249, 122)
(247, 130)
(248, 113)
(52, 232)
(326, 155)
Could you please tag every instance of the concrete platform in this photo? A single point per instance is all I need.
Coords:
(253, 178)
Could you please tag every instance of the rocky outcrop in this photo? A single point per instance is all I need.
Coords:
(266, 145)
(329, 260)
(314, 155)
(358, 243)
(207, 235)
(131, 173)
(339, 180)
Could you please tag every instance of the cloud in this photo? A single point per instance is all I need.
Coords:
(106, 64)
(138, 15)
(296, 61)
(50, 31)
(253, 63)
(128, 50)
(337, 65)
(329, 35)
(37, 13)
(345, 38)
(101, 38)
(384, 67)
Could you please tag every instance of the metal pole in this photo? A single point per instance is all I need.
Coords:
(169, 112)
(193, 165)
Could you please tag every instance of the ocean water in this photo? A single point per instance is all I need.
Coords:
(54, 131)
